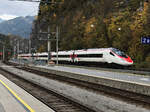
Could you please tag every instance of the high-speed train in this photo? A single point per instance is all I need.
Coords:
(97, 55)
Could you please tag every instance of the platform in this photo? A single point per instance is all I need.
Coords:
(15, 99)
(128, 77)
(126, 81)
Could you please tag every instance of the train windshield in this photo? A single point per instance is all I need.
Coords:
(120, 53)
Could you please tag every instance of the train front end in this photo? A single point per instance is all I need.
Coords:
(122, 58)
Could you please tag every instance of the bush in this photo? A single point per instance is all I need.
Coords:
(141, 65)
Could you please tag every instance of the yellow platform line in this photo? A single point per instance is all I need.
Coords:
(18, 98)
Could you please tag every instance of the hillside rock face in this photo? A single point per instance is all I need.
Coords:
(20, 26)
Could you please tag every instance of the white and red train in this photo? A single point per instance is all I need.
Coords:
(98, 55)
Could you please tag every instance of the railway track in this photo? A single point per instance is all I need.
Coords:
(52, 99)
(115, 68)
(108, 67)
(127, 96)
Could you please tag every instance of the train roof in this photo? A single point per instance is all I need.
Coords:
(91, 49)
(63, 52)
(77, 51)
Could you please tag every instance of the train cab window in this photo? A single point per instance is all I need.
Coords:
(120, 53)
(112, 54)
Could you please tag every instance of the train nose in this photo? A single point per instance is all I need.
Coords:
(126, 61)
(129, 61)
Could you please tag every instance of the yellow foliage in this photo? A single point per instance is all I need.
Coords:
(90, 25)
(44, 8)
(42, 48)
(78, 16)
(139, 18)
(54, 15)
(148, 59)
(36, 17)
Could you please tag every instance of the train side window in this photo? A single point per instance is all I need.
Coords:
(112, 54)
(91, 55)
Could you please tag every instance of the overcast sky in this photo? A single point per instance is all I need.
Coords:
(12, 9)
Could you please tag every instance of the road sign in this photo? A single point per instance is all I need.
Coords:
(145, 40)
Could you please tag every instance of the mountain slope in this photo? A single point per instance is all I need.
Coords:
(20, 26)
(97, 24)
(1, 20)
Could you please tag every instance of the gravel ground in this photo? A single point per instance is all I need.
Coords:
(94, 100)
(1, 108)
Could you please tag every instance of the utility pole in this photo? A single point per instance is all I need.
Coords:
(50, 37)
(18, 48)
(14, 44)
(57, 35)
(49, 45)
(14, 51)
(18, 51)
(3, 58)
(30, 45)
(3, 52)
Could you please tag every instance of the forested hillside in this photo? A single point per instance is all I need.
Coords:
(98, 24)
(11, 45)
(5, 41)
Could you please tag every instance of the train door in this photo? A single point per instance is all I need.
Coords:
(72, 57)
(109, 57)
